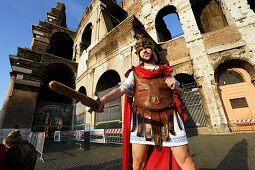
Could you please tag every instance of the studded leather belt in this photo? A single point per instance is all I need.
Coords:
(157, 124)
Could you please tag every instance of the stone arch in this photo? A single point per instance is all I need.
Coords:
(82, 90)
(58, 72)
(54, 111)
(252, 4)
(193, 106)
(234, 79)
(220, 68)
(61, 45)
(86, 37)
(184, 78)
(80, 109)
(108, 79)
(163, 23)
(112, 116)
(208, 14)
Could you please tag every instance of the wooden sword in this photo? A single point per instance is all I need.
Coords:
(67, 91)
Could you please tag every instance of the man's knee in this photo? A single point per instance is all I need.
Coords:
(139, 155)
(138, 164)
(138, 161)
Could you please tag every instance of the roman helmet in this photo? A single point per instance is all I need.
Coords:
(143, 42)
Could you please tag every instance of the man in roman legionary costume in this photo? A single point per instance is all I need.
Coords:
(152, 118)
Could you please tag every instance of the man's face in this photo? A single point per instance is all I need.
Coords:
(146, 55)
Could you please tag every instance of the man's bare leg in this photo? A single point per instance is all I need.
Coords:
(183, 157)
(139, 154)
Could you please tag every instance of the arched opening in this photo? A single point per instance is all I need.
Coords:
(193, 106)
(53, 110)
(230, 77)
(108, 80)
(112, 115)
(236, 64)
(208, 14)
(86, 37)
(61, 45)
(168, 24)
(236, 90)
(82, 90)
(252, 4)
(79, 117)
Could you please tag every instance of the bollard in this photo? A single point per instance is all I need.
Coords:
(86, 142)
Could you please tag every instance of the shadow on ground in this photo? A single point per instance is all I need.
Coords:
(236, 159)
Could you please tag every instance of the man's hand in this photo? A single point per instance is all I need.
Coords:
(112, 96)
(171, 83)
(101, 106)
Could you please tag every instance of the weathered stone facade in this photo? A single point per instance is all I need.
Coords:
(218, 35)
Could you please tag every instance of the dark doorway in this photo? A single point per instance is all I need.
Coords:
(208, 14)
(86, 37)
(61, 45)
(112, 115)
(192, 102)
(54, 111)
(252, 4)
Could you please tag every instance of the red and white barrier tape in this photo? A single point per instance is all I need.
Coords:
(113, 131)
(244, 120)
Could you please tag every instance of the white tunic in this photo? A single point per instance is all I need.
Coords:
(178, 139)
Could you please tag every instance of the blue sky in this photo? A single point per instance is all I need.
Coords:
(15, 30)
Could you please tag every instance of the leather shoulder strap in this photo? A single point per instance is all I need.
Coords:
(127, 73)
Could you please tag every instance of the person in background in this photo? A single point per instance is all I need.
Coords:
(16, 128)
(20, 154)
(2, 154)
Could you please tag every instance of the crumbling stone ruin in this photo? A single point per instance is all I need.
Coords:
(213, 60)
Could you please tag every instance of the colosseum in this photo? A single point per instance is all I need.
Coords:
(213, 59)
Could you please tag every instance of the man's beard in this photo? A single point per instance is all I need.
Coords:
(147, 60)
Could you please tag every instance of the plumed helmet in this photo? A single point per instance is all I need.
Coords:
(143, 42)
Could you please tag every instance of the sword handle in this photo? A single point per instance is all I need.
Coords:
(94, 105)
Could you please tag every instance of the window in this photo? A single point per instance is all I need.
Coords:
(230, 77)
(238, 103)
(168, 25)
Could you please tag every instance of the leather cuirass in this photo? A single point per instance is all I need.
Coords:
(152, 94)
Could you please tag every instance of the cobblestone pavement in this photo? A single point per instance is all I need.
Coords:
(226, 152)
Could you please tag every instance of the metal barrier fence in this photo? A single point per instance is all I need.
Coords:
(75, 137)
(96, 136)
(37, 139)
(193, 106)
(114, 136)
(112, 115)
(242, 125)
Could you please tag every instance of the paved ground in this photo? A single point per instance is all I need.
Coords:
(223, 152)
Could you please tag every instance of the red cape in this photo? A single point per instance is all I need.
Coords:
(2, 154)
(163, 160)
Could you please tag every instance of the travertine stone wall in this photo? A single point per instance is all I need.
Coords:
(20, 106)
(244, 18)
(114, 52)
(203, 72)
(191, 54)
(194, 53)
(178, 56)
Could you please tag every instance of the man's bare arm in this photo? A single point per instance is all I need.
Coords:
(178, 91)
(115, 94)
(171, 83)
